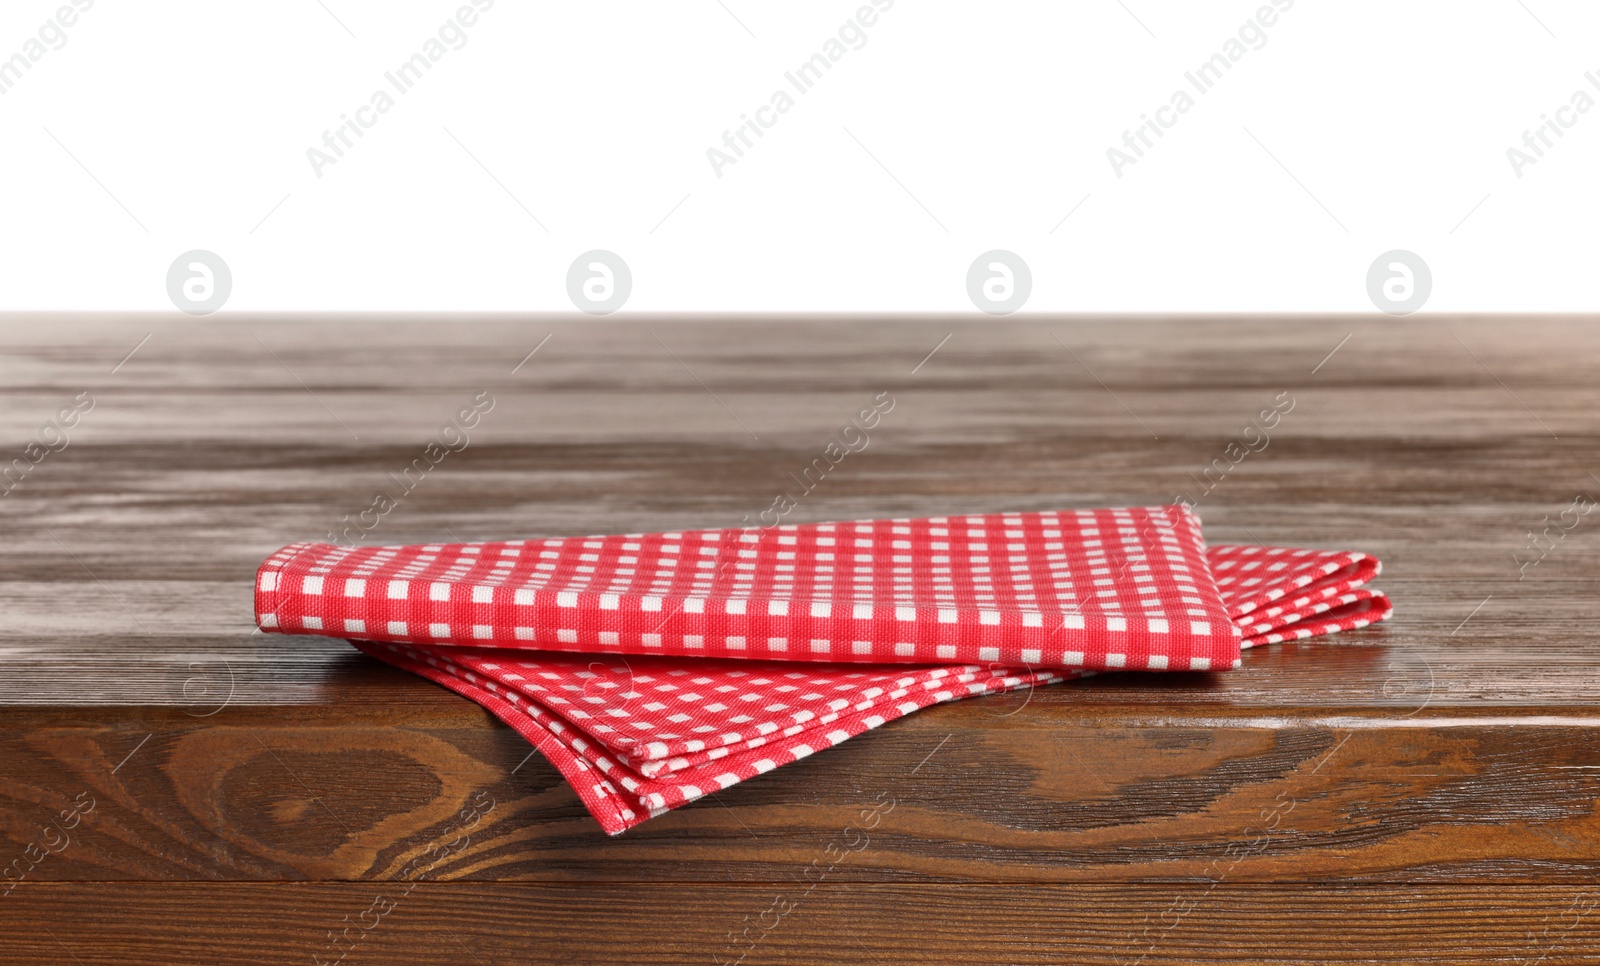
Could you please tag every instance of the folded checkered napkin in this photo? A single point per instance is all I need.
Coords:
(1279, 594)
(1094, 589)
(638, 734)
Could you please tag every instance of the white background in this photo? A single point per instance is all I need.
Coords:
(1358, 127)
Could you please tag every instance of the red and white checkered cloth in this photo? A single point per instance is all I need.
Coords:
(687, 677)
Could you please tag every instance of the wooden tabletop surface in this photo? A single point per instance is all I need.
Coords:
(1424, 789)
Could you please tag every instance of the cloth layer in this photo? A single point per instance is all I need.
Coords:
(1094, 589)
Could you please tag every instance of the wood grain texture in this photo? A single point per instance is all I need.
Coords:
(188, 924)
(1451, 752)
(994, 792)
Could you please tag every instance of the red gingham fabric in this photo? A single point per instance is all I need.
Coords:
(1326, 588)
(1095, 589)
(639, 734)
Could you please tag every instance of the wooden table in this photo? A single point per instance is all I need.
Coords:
(1424, 790)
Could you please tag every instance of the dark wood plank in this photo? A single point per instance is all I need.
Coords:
(797, 922)
(1003, 789)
